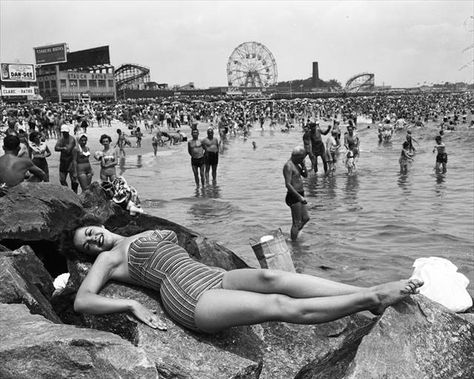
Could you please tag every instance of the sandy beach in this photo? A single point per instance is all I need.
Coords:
(93, 133)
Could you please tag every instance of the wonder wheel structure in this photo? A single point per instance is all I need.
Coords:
(360, 82)
(251, 64)
(131, 76)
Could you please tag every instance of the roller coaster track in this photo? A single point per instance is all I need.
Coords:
(129, 74)
(359, 82)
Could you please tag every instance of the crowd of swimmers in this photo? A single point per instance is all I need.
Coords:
(26, 129)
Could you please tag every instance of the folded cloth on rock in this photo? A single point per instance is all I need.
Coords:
(60, 283)
(442, 283)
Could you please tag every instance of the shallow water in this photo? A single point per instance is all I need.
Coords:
(365, 228)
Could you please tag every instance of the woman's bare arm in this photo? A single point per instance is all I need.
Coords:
(88, 300)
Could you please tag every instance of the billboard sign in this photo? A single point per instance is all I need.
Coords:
(16, 72)
(96, 56)
(26, 91)
(51, 54)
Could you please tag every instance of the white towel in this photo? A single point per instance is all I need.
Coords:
(442, 283)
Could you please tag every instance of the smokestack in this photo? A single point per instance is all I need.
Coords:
(315, 77)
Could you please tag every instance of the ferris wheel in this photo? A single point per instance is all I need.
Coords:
(251, 64)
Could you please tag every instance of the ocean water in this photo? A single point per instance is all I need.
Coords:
(365, 228)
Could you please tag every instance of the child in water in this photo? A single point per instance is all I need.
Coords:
(442, 156)
(332, 148)
(405, 157)
(350, 162)
(139, 136)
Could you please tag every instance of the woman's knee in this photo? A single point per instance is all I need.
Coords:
(282, 307)
(270, 279)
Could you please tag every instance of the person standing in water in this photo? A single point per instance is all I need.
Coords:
(442, 156)
(66, 144)
(39, 152)
(81, 156)
(211, 155)
(351, 141)
(332, 147)
(196, 151)
(108, 159)
(405, 157)
(410, 140)
(294, 171)
(317, 145)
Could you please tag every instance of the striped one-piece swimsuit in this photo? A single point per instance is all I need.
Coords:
(158, 262)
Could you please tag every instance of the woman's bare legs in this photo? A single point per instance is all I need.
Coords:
(286, 283)
(218, 309)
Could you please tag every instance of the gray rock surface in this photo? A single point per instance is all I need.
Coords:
(416, 338)
(33, 347)
(38, 211)
(23, 279)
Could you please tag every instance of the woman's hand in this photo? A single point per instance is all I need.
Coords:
(147, 316)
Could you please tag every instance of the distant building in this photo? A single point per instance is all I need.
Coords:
(86, 74)
(155, 86)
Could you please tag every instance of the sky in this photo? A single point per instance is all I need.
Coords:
(404, 43)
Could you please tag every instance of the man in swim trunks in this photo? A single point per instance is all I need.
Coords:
(211, 155)
(441, 156)
(66, 144)
(196, 151)
(351, 141)
(294, 171)
(317, 145)
(14, 168)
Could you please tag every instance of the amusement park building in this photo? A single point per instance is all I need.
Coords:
(86, 73)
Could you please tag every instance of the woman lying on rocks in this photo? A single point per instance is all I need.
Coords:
(209, 299)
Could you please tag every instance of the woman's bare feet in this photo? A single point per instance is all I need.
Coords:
(391, 293)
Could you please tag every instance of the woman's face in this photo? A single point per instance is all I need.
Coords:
(83, 141)
(92, 239)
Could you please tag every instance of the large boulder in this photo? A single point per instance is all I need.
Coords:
(38, 211)
(416, 338)
(23, 279)
(33, 347)
(37, 214)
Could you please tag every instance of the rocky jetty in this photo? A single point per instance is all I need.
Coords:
(42, 336)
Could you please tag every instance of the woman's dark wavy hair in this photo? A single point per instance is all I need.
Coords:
(66, 245)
